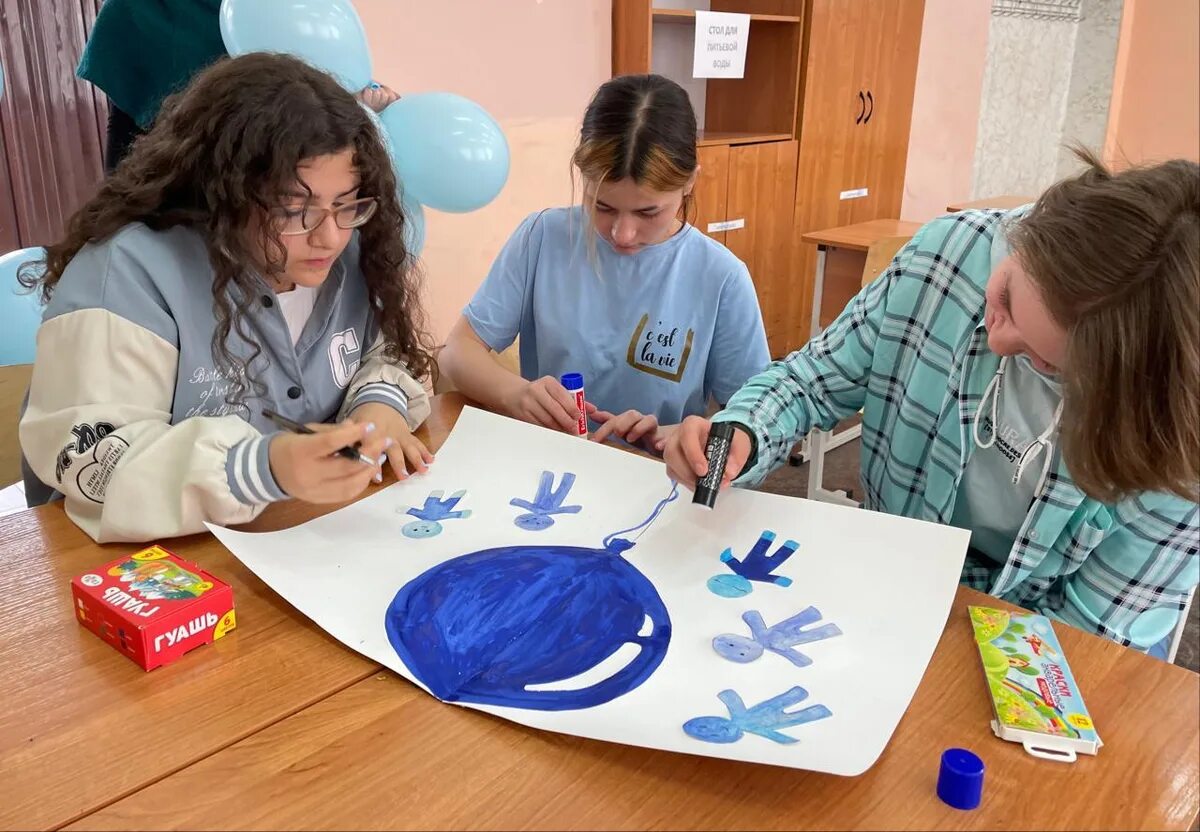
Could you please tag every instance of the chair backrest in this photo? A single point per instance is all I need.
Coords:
(880, 255)
(14, 381)
(21, 311)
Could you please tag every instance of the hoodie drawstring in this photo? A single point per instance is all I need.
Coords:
(991, 403)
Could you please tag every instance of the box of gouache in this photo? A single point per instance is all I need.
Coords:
(153, 606)
(1035, 699)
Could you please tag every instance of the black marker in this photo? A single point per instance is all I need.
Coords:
(350, 452)
(720, 439)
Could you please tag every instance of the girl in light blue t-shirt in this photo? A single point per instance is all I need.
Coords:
(658, 318)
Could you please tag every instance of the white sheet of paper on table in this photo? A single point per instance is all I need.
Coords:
(886, 582)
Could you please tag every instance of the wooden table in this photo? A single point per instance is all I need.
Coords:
(1005, 202)
(279, 727)
(855, 240)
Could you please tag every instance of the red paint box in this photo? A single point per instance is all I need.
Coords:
(153, 606)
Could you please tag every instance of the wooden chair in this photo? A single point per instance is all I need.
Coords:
(14, 381)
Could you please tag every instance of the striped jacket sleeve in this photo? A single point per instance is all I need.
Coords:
(380, 379)
(817, 386)
(97, 429)
(1136, 579)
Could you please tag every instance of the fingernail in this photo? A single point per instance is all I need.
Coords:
(382, 458)
(370, 427)
(389, 442)
(379, 476)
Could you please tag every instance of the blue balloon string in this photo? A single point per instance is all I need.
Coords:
(674, 495)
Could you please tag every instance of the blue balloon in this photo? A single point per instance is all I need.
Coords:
(414, 227)
(414, 213)
(20, 310)
(326, 33)
(490, 626)
(450, 154)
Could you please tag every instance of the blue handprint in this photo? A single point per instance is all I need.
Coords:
(434, 510)
(757, 566)
(548, 501)
(761, 719)
(779, 638)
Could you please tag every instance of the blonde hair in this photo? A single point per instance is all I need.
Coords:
(1116, 258)
(639, 127)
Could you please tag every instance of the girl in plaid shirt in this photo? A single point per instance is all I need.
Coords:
(1031, 376)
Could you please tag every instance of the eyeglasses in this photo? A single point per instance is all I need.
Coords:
(292, 221)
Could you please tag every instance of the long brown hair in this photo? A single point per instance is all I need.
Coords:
(221, 154)
(640, 127)
(1116, 257)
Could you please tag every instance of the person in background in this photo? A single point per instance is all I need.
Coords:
(141, 51)
(1031, 376)
(247, 255)
(658, 318)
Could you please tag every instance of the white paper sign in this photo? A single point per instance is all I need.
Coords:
(721, 40)
(520, 575)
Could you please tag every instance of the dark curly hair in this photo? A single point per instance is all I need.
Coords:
(222, 153)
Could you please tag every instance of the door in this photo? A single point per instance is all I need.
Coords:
(762, 192)
(857, 110)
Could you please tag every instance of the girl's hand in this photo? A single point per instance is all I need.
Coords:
(309, 468)
(547, 403)
(377, 96)
(407, 453)
(638, 429)
(684, 452)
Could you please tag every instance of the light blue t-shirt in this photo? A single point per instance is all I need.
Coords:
(659, 331)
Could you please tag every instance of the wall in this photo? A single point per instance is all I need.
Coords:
(1092, 69)
(1155, 112)
(533, 64)
(1026, 84)
(945, 118)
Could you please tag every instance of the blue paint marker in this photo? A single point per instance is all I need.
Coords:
(574, 384)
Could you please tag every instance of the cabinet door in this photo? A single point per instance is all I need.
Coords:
(762, 192)
(711, 193)
(861, 67)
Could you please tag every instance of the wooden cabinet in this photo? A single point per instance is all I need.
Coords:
(752, 188)
(814, 136)
(854, 121)
(762, 187)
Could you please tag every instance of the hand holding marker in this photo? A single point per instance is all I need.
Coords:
(350, 452)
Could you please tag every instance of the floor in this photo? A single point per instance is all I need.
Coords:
(841, 472)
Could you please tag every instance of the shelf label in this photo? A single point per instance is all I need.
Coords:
(726, 225)
(721, 40)
(857, 193)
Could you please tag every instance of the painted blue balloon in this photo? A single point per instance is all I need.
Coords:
(449, 153)
(20, 310)
(326, 33)
(483, 627)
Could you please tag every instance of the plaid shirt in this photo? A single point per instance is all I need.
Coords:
(911, 352)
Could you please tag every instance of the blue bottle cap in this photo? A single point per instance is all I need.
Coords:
(960, 780)
(572, 381)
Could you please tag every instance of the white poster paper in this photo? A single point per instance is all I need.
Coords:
(721, 40)
(520, 577)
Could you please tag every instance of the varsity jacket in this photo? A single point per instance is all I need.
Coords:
(127, 416)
